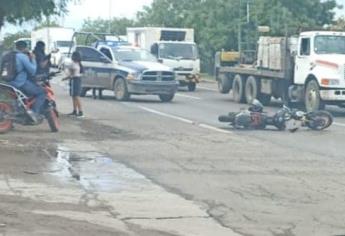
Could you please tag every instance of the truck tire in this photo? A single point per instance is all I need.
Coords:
(224, 84)
(238, 89)
(191, 86)
(166, 97)
(251, 89)
(312, 99)
(121, 90)
(83, 92)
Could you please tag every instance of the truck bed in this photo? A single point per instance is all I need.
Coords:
(252, 70)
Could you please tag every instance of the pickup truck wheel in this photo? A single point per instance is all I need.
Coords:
(251, 89)
(121, 90)
(224, 84)
(166, 97)
(83, 92)
(238, 89)
(191, 86)
(312, 99)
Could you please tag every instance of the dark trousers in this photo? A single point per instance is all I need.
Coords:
(33, 90)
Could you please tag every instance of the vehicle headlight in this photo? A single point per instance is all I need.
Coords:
(132, 76)
(330, 82)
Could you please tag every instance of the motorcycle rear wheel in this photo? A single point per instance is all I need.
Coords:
(319, 120)
(5, 124)
(53, 121)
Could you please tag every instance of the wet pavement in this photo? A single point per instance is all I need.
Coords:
(85, 185)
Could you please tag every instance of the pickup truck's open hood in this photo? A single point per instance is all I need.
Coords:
(145, 65)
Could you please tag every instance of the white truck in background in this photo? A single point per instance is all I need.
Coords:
(173, 47)
(308, 69)
(58, 41)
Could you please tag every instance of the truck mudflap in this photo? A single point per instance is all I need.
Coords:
(155, 88)
(333, 94)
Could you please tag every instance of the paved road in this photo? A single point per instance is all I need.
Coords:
(148, 168)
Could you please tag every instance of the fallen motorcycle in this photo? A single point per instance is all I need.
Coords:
(15, 106)
(255, 118)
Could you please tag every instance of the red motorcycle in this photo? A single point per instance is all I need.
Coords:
(15, 106)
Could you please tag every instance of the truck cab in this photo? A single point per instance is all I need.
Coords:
(183, 57)
(320, 68)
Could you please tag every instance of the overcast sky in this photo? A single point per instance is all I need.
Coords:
(102, 8)
(90, 8)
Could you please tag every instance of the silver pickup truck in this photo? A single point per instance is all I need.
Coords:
(126, 71)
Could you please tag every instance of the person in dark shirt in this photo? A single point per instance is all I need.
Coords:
(42, 60)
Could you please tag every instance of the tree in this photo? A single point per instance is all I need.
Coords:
(18, 11)
(339, 24)
(10, 38)
(117, 25)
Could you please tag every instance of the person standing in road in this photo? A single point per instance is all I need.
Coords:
(74, 74)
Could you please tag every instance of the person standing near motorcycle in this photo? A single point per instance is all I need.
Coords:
(74, 74)
(26, 67)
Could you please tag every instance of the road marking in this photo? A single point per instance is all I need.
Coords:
(167, 115)
(210, 127)
(201, 125)
(188, 96)
(209, 89)
(339, 124)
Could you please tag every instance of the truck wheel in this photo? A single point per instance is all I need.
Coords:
(238, 89)
(251, 89)
(121, 90)
(83, 92)
(312, 99)
(224, 84)
(166, 97)
(191, 86)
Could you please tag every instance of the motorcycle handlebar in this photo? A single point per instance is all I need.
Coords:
(44, 77)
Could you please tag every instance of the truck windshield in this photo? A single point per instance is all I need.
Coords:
(178, 51)
(327, 44)
(133, 55)
(64, 44)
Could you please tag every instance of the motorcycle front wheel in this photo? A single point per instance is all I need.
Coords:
(53, 121)
(5, 124)
(319, 120)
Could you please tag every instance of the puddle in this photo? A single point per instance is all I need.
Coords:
(93, 170)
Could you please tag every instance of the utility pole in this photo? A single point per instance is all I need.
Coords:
(109, 23)
(240, 29)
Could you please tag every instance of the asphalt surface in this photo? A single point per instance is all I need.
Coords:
(149, 168)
